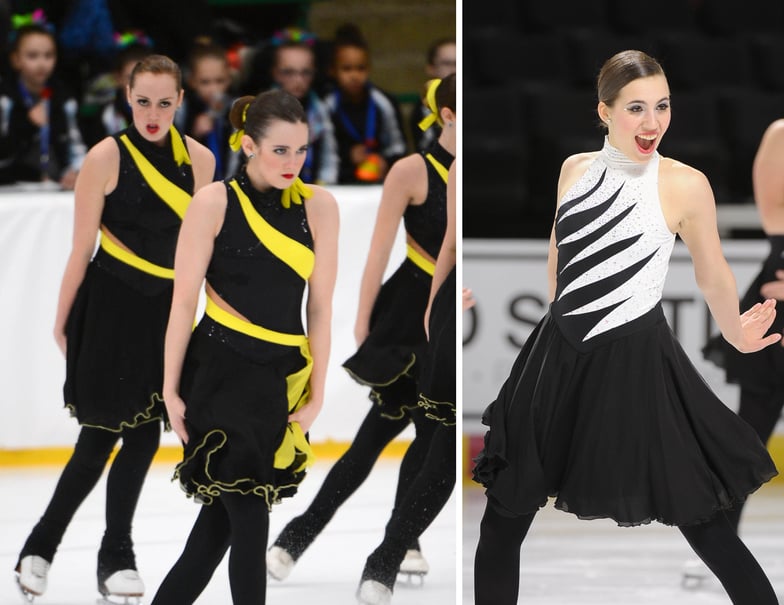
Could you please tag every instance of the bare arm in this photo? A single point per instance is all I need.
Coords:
(203, 163)
(322, 214)
(691, 205)
(395, 198)
(195, 243)
(768, 179)
(447, 255)
(96, 179)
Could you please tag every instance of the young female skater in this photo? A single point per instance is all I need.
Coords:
(603, 409)
(244, 387)
(390, 335)
(761, 374)
(134, 188)
(39, 135)
(435, 480)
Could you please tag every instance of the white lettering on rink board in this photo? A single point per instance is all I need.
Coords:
(509, 281)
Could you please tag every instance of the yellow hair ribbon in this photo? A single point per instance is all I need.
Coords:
(235, 140)
(432, 105)
(178, 148)
(297, 192)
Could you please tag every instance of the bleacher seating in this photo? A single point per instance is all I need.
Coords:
(725, 66)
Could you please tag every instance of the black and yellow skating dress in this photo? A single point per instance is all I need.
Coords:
(388, 361)
(116, 326)
(241, 379)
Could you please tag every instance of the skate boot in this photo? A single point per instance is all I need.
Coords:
(694, 574)
(31, 576)
(414, 567)
(124, 587)
(279, 563)
(373, 592)
(118, 579)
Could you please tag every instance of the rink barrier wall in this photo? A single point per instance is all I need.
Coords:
(172, 454)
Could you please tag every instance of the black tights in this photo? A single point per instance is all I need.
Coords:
(82, 472)
(497, 563)
(351, 470)
(232, 520)
(762, 411)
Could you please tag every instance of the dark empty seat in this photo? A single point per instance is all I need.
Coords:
(745, 116)
(637, 18)
(767, 52)
(588, 50)
(705, 63)
(498, 58)
(727, 17)
(539, 16)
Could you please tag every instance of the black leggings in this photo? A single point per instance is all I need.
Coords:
(497, 562)
(82, 472)
(423, 501)
(232, 520)
(351, 470)
(762, 411)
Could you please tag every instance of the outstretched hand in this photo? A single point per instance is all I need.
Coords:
(754, 325)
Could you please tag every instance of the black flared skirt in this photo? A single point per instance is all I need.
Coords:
(114, 354)
(627, 431)
(389, 359)
(437, 388)
(762, 371)
(237, 409)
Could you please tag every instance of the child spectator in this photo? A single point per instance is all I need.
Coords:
(293, 69)
(204, 114)
(39, 135)
(367, 120)
(441, 61)
(105, 108)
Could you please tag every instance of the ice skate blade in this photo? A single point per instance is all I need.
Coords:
(119, 600)
(27, 595)
(413, 578)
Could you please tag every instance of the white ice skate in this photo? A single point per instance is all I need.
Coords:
(414, 567)
(695, 573)
(124, 587)
(31, 576)
(372, 592)
(279, 563)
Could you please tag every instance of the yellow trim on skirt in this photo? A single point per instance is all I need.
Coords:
(297, 384)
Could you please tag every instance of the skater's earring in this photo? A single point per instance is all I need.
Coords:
(251, 156)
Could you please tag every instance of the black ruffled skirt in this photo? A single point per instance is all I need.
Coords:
(237, 408)
(389, 359)
(114, 357)
(762, 371)
(437, 388)
(628, 431)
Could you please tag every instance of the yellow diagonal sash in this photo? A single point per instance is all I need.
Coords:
(294, 442)
(296, 255)
(440, 168)
(129, 258)
(174, 197)
(419, 260)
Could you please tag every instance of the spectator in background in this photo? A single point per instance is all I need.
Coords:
(105, 109)
(367, 120)
(293, 69)
(39, 134)
(441, 61)
(204, 114)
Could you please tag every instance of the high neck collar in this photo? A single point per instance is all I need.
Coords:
(615, 158)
